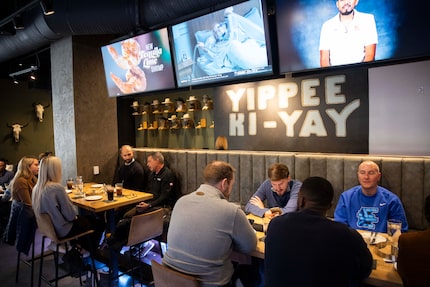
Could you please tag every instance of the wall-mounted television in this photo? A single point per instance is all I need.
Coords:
(315, 34)
(139, 64)
(223, 45)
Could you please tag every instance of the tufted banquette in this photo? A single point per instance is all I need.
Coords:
(408, 177)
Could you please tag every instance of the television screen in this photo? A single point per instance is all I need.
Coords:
(223, 45)
(139, 64)
(322, 33)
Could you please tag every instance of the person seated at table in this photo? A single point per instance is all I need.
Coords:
(413, 262)
(305, 248)
(21, 188)
(205, 228)
(368, 206)
(131, 173)
(5, 175)
(162, 185)
(279, 190)
(50, 197)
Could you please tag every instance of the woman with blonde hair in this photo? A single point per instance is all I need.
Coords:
(21, 187)
(49, 196)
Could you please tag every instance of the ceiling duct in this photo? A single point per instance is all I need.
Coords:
(98, 17)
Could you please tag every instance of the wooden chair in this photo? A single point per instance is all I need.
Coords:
(46, 228)
(165, 276)
(144, 227)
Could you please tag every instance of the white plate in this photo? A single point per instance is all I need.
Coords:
(93, 197)
(69, 190)
(379, 238)
(97, 185)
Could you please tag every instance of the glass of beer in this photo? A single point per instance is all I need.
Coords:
(118, 189)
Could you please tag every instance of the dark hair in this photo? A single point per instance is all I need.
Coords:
(278, 171)
(318, 190)
(157, 156)
(216, 171)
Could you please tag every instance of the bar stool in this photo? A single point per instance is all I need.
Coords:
(144, 227)
(165, 276)
(46, 228)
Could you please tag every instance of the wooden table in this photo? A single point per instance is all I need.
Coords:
(384, 275)
(129, 197)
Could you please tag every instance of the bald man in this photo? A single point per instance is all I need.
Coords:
(131, 172)
(368, 206)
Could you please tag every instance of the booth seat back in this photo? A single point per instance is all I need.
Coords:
(408, 177)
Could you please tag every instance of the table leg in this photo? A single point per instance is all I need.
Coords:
(113, 254)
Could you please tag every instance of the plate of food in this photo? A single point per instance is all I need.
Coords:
(69, 190)
(97, 185)
(93, 197)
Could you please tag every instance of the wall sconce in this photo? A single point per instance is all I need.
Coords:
(47, 7)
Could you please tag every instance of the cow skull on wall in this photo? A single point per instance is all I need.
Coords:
(39, 110)
(16, 130)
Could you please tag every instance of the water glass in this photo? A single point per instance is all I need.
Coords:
(79, 184)
(394, 228)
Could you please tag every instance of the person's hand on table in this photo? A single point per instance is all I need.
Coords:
(255, 200)
(269, 214)
(142, 206)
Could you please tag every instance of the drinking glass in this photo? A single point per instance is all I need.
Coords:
(70, 183)
(118, 189)
(394, 229)
(109, 192)
(79, 184)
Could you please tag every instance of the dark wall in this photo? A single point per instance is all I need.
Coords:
(17, 107)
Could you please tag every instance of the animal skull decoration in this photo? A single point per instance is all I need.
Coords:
(16, 130)
(40, 109)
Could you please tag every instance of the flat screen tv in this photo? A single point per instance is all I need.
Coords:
(311, 34)
(224, 45)
(139, 64)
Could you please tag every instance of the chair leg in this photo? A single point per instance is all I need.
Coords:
(41, 261)
(17, 266)
(32, 263)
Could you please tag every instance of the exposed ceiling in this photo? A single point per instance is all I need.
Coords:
(85, 17)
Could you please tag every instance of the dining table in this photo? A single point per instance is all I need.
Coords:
(94, 199)
(383, 274)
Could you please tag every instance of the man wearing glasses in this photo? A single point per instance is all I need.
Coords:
(279, 191)
(368, 206)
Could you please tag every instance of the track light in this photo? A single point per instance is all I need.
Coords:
(33, 76)
(24, 71)
(15, 81)
(47, 7)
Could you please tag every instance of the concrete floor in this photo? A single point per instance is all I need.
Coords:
(8, 263)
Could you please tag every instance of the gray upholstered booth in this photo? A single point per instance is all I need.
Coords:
(408, 177)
